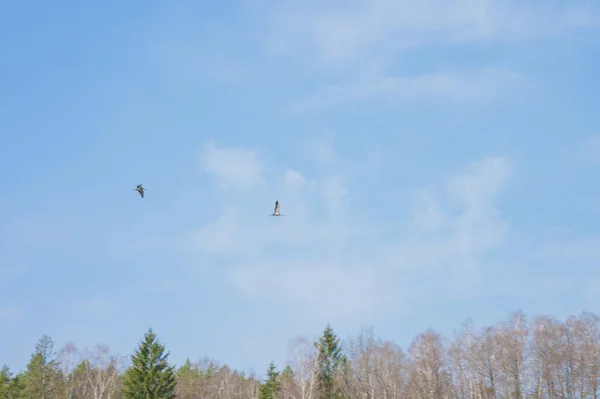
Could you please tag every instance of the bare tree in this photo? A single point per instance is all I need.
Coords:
(68, 359)
(547, 356)
(289, 388)
(467, 371)
(590, 349)
(102, 372)
(303, 358)
(580, 354)
(429, 377)
(514, 359)
(378, 369)
(487, 360)
(513, 355)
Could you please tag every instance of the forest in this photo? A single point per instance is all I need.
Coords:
(519, 357)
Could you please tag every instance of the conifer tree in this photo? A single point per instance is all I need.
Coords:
(16, 388)
(41, 370)
(4, 382)
(270, 388)
(330, 361)
(150, 376)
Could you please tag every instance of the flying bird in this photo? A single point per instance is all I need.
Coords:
(276, 212)
(139, 189)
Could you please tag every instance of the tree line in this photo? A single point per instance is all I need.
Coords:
(516, 358)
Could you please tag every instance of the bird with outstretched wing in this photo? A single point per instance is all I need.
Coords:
(276, 212)
(140, 190)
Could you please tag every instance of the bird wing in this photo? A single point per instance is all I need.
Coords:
(142, 193)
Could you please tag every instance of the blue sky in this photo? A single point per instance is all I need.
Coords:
(437, 161)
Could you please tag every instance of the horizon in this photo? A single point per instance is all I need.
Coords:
(435, 163)
(123, 361)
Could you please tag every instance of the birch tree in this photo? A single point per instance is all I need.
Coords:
(304, 362)
(102, 372)
(429, 377)
(68, 359)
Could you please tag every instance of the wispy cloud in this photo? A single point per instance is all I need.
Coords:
(338, 31)
(362, 41)
(465, 87)
(357, 47)
(324, 239)
(232, 167)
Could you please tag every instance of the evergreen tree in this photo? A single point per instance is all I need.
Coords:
(270, 388)
(4, 382)
(330, 361)
(187, 377)
(16, 388)
(288, 372)
(41, 372)
(150, 376)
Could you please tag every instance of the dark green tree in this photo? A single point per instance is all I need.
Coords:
(16, 388)
(330, 362)
(150, 376)
(4, 382)
(270, 388)
(41, 371)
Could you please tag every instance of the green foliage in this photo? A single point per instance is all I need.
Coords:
(4, 382)
(16, 388)
(270, 388)
(287, 372)
(150, 376)
(40, 378)
(187, 370)
(331, 360)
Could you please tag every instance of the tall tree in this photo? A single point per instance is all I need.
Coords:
(270, 388)
(68, 357)
(102, 372)
(287, 384)
(16, 388)
(304, 358)
(429, 377)
(330, 360)
(4, 382)
(150, 376)
(41, 371)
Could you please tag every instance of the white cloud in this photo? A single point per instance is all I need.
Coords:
(360, 41)
(321, 290)
(468, 87)
(325, 239)
(223, 236)
(427, 216)
(322, 148)
(232, 167)
(337, 31)
(295, 179)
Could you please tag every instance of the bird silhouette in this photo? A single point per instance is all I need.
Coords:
(276, 212)
(140, 190)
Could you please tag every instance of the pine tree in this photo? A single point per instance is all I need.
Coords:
(187, 377)
(270, 388)
(16, 388)
(41, 372)
(150, 376)
(330, 361)
(4, 382)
